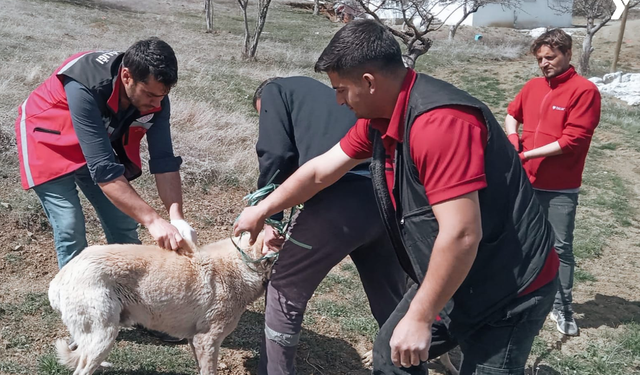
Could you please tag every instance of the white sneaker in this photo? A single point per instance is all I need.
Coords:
(565, 322)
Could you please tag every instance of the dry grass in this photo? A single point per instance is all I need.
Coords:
(213, 121)
(214, 131)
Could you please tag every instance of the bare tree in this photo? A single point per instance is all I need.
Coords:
(250, 44)
(420, 17)
(316, 7)
(415, 37)
(597, 13)
(208, 10)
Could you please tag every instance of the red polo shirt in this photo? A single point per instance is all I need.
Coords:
(447, 147)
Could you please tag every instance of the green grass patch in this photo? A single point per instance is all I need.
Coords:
(32, 304)
(539, 346)
(605, 197)
(10, 367)
(623, 119)
(613, 354)
(607, 191)
(485, 88)
(341, 297)
(13, 258)
(130, 358)
(608, 146)
(631, 339)
(48, 365)
(151, 359)
(581, 275)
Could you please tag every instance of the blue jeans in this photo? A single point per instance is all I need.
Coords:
(62, 206)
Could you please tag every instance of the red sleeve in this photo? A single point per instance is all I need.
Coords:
(356, 143)
(583, 118)
(447, 146)
(515, 107)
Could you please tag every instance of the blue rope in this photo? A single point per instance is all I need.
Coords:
(281, 226)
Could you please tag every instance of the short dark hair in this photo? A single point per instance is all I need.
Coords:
(258, 94)
(361, 45)
(554, 38)
(152, 57)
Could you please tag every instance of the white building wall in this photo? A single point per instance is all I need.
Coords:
(451, 13)
(530, 14)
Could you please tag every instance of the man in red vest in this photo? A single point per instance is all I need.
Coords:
(558, 113)
(82, 127)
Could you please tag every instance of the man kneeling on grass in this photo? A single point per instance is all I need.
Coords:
(455, 199)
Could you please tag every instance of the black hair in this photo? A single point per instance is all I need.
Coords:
(258, 94)
(152, 57)
(358, 46)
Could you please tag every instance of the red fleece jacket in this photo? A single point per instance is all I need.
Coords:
(566, 109)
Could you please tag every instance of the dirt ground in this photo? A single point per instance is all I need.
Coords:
(27, 258)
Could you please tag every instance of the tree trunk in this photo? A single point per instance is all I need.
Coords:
(587, 48)
(583, 67)
(263, 6)
(316, 7)
(247, 36)
(208, 10)
(623, 24)
(452, 31)
(416, 49)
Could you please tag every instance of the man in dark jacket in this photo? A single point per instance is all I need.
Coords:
(299, 120)
(456, 202)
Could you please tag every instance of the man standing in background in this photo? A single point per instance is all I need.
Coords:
(559, 113)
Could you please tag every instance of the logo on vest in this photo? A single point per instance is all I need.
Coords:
(555, 107)
(145, 119)
(104, 58)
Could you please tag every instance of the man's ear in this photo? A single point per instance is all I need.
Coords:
(125, 76)
(370, 79)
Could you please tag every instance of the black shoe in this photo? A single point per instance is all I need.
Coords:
(164, 337)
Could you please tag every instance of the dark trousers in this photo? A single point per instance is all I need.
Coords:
(341, 220)
(500, 346)
(560, 210)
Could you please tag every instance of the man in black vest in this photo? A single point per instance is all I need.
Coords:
(82, 128)
(456, 201)
(299, 120)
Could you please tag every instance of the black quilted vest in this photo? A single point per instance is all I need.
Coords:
(516, 236)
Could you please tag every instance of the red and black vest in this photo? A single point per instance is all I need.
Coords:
(516, 237)
(47, 144)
